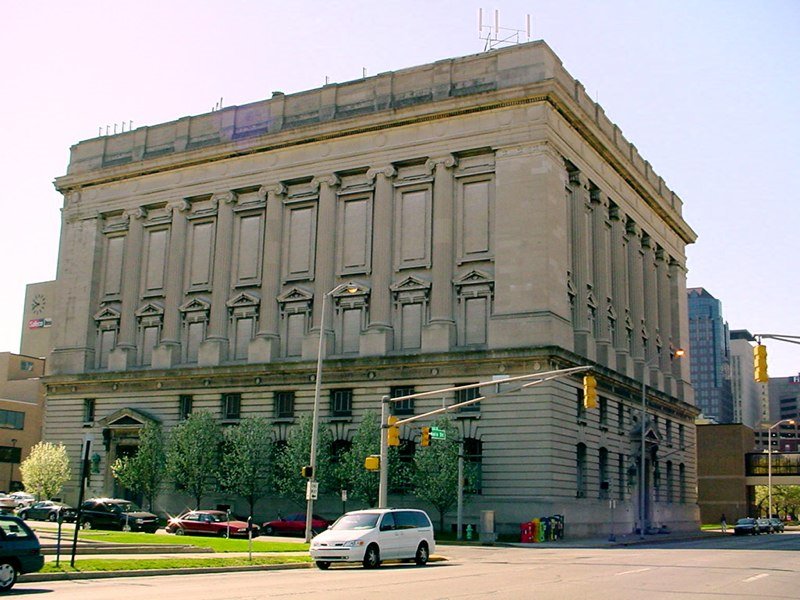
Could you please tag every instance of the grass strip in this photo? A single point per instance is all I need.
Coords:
(216, 544)
(124, 564)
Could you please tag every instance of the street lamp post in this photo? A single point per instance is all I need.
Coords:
(769, 460)
(351, 288)
(642, 460)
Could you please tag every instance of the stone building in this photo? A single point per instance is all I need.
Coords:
(493, 222)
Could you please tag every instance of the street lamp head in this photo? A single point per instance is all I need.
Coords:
(678, 353)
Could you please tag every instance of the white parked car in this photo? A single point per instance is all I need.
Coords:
(22, 499)
(372, 536)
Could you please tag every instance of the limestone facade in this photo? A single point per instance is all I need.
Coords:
(492, 220)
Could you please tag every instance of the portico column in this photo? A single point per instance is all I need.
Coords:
(124, 355)
(377, 339)
(168, 352)
(324, 264)
(439, 334)
(214, 349)
(266, 345)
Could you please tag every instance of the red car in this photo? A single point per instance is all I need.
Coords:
(208, 522)
(295, 524)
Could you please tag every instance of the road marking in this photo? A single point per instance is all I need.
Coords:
(636, 571)
(754, 577)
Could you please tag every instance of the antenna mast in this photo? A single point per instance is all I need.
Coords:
(494, 35)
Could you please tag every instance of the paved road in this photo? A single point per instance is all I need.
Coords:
(747, 567)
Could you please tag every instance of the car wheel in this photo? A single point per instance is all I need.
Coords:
(126, 527)
(87, 525)
(179, 531)
(223, 533)
(23, 515)
(8, 576)
(421, 558)
(269, 530)
(372, 557)
(323, 564)
(52, 517)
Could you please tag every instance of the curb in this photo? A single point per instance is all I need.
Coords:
(38, 577)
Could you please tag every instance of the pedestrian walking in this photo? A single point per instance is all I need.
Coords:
(724, 523)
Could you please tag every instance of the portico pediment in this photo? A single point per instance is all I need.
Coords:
(127, 418)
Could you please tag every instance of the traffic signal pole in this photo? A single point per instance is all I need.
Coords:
(523, 381)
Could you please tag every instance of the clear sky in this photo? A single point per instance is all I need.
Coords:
(707, 90)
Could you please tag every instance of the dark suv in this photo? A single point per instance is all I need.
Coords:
(113, 513)
(20, 551)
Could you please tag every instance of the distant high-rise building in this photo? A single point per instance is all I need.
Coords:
(746, 392)
(710, 356)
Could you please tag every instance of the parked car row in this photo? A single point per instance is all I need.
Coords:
(751, 526)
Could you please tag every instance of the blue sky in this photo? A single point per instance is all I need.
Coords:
(706, 90)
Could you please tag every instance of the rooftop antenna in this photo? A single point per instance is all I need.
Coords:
(495, 36)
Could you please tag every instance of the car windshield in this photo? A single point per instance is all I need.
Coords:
(744, 521)
(358, 521)
(123, 507)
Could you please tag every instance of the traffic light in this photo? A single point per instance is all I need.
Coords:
(307, 472)
(589, 391)
(393, 438)
(760, 363)
(372, 463)
(426, 437)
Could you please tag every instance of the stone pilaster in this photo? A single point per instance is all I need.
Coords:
(265, 347)
(650, 306)
(377, 340)
(214, 349)
(168, 353)
(584, 338)
(636, 292)
(439, 334)
(124, 355)
(664, 316)
(601, 264)
(324, 264)
(619, 289)
(680, 329)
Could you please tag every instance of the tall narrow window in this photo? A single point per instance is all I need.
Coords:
(88, 410)
(620, 417)
(621, 476)
(284, 405)
(351, 330)
(579, 405)
(341, 403)
(231, 406)
(605, 481)
(403, 407)
(196, 333)
(580, 470)
(473, 463)
(149, 341)
(682, 482)
(603, 408)
(184, 406)
(466, 395)
(669, 482)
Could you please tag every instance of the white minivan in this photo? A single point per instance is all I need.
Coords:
(375, 535)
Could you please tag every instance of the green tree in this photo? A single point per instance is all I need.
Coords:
(435, 478)
(246, 466)
(296, 453)
(144, 472)
(46, 470)
(360, 483)
(193, 453)
(364, 485)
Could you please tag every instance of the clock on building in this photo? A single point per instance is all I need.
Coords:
(38, 303)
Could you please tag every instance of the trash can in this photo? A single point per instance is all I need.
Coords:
(525, 532)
